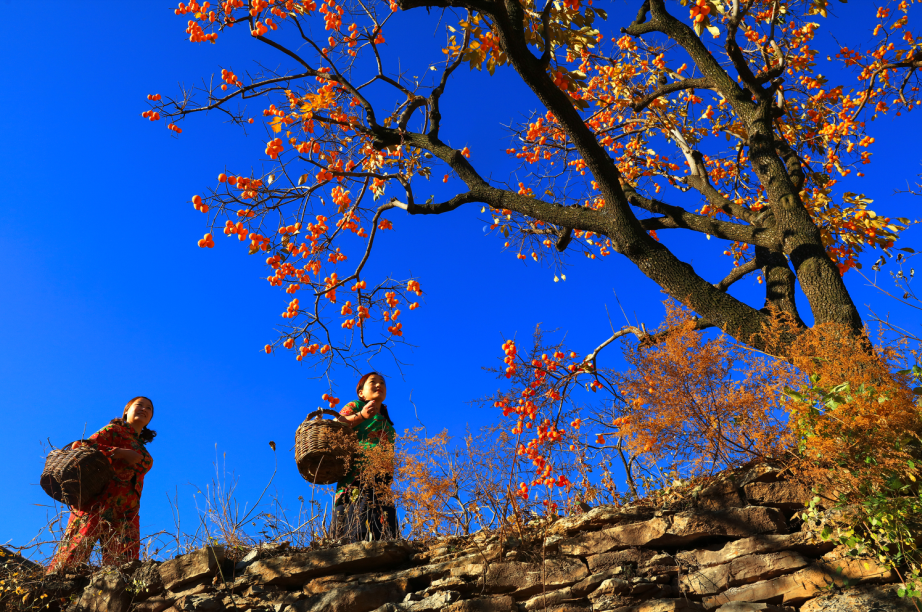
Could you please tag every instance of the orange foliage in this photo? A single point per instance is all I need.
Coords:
(694, 405)
(447, 492)
(856, 419)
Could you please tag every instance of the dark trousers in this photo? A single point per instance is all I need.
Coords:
(361, 514)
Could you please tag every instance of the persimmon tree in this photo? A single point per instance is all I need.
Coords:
(699, 117)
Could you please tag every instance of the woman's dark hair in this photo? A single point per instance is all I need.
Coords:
(361, 385)
(146, 435)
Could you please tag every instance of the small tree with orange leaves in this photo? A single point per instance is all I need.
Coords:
(453, 489)
(692, 405)
(857, 421)
(854, 416)
(721, 99)
(696, 405)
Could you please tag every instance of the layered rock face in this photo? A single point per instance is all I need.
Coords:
(734, 548)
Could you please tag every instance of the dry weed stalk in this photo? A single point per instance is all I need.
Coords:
(447, 489)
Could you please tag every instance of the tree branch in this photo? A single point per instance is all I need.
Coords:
(435, 115)
(678, 218)
(791, 161)
(666, 24)
(914, 63)
(616, 221)
(701, 83)
(640, 332)
(439, 207)
(739, 60)
(737, 273)
(702, 185)
(654, 339)
(545, 34)
(639, 26)
(240, 92)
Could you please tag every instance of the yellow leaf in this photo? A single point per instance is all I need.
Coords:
(318, 101)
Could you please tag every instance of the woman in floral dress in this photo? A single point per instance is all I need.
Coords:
(363, 508)
(112, 519)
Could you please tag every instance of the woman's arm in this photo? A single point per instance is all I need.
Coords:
(104, 441)
(353, 418)
(127, 455)
(107, 441)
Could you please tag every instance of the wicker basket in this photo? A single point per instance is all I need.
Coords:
(322, 447)
(75, 476)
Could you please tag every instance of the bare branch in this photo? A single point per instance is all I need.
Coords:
(371, 239)
(241, 91)
(678, 218)
(435, 115)
(640, 332)
(914, 63)
(737, 273)
(436, 208)
(701, 83)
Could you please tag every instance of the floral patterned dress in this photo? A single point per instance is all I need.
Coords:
(112, 520)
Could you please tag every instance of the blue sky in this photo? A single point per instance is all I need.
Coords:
(105, 294)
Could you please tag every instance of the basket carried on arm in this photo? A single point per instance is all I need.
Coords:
(322, 448)
(75, 476)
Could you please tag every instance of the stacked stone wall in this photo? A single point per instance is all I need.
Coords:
(733, 547)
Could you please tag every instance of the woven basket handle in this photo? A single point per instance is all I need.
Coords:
(67, 447)
(322, 411)
(70, 445)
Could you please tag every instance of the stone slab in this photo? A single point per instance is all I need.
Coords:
(794, 589)
(747, 606)
(600, 517)
(523, 580)
(802, 542)
(720, 495)
(350, 558)
(784, 494)
(679, 530)
(663, 605)
(863, 599)
(154, 604)
(629, 557)
(107, 592)
(502, 603)
(191, 568)
(350, 598)
(742, 570)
